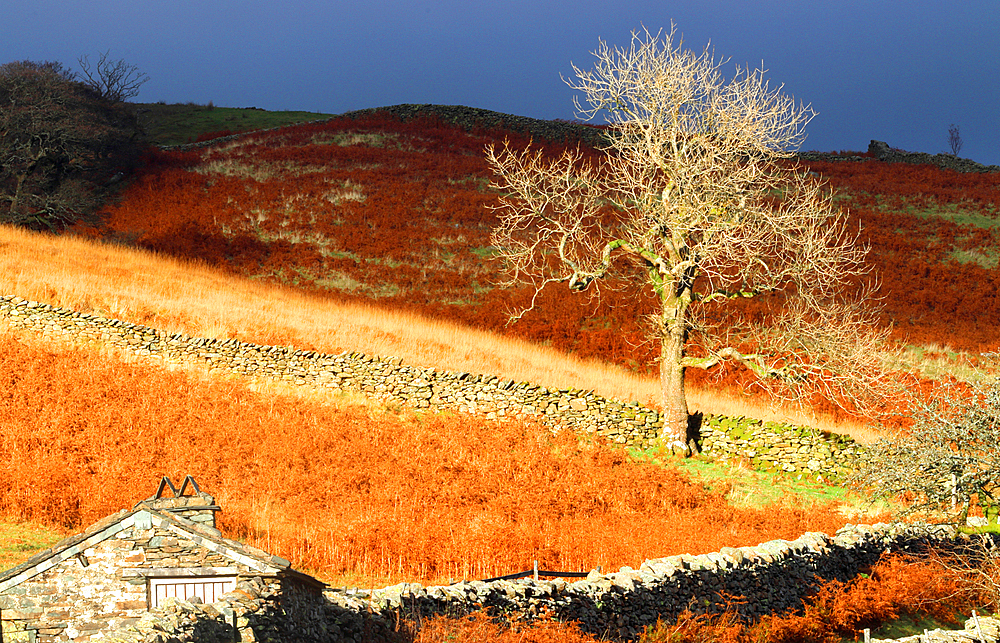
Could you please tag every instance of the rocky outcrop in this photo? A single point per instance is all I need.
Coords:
(880, 151)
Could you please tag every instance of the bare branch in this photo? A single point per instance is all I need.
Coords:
(115, 80)
(695, 190)
(954, 139)
(948, 462)
(976, 559)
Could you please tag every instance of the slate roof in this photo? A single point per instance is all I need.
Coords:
(261, 561)
(65, 544)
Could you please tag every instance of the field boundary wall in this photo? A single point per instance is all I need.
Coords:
(768, 445)
(772, 577)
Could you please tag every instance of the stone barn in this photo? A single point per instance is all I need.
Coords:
(107, 577)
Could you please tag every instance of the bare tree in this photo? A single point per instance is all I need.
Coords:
(975, 558)
(954, 139)
(61, 144)
(947, 461)
(115, 80)
(693, 198)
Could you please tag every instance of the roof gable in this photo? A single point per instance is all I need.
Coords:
(65, 549)
(145, 516)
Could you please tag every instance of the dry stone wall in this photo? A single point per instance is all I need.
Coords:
(979, 629)
(775, 446)
(257, 611)
(771, 577)
(770, 446)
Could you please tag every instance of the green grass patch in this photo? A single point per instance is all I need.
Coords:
(485, 252)
(367, 139)
(962, 213)
(988, 260)
(957, 213)
(177, 123)
(746, 487)
(21, 541)
(749, 488)
(908, 625)
(342, 282)
(941, 362)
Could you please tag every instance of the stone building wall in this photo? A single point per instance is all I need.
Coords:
(104, 588)
(69, 600)
(772, 577)
(388, 379)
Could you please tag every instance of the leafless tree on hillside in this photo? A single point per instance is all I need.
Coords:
(954, 140)
(115, 80)
(60, 145)
(949, 459)
(693, 197)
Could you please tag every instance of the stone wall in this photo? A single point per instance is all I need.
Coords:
(775, 446)
(768, 445)
(258, 611)
(771, 577)
(104, 588)
(978, 629)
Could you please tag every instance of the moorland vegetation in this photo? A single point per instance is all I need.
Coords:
(373, 228)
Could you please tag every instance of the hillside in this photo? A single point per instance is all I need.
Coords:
(393, 206)
(178, 124)
(370, 232)
(347, 489)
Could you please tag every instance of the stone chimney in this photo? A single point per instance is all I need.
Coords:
(190, 502)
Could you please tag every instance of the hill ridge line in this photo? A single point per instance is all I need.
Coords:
(467, 118)
(470, 118)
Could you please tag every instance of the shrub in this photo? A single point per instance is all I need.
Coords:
(62, 145)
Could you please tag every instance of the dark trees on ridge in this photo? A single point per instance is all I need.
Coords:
(62, 143)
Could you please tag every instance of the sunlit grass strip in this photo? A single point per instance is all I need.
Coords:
(21, 541)
(183, 296)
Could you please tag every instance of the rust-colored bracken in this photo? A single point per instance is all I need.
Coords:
(344, 490)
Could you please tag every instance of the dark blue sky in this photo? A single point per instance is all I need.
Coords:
(900, 71)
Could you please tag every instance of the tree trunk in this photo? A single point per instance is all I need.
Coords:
(675, 409)
(16, 200)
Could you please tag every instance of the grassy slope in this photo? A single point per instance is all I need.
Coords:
(183, 296)
(21, 541)
(178, 123)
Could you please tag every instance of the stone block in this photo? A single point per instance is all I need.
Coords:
(131, 605)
